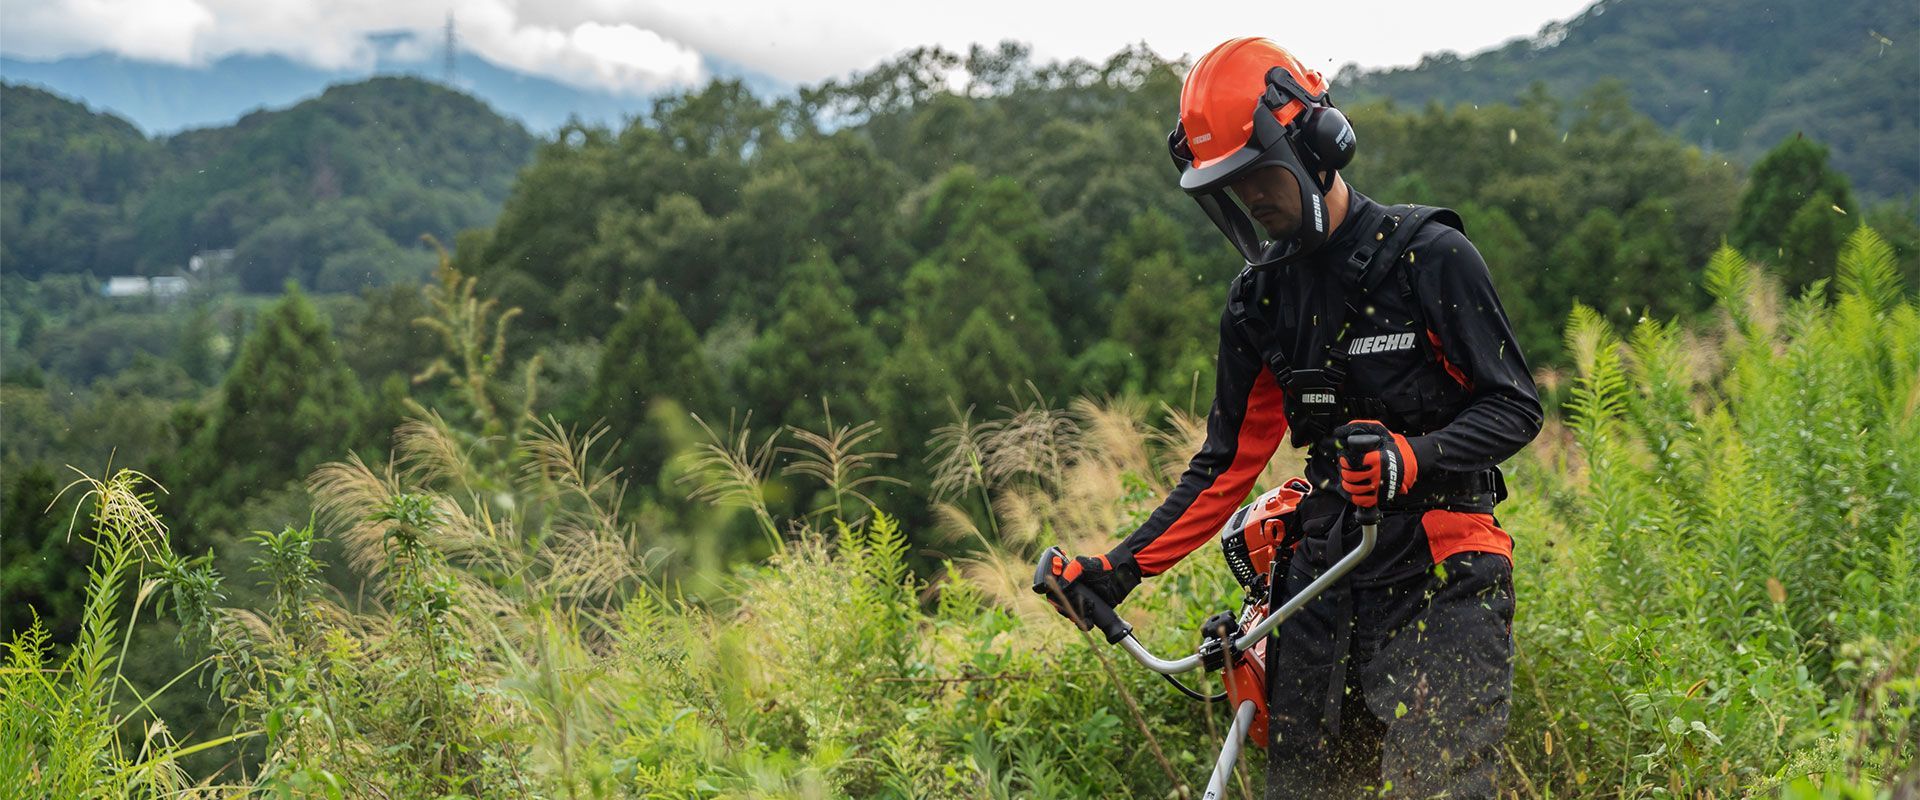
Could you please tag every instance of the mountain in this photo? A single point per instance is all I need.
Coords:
(165, 98)
(67, 176)
(1733, 76)
(334, 192)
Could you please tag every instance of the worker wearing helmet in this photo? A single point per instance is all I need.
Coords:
(1350, 316)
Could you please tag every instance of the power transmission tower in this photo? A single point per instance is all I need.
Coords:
(449, 46)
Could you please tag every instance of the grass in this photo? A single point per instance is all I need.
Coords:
(1716, 569)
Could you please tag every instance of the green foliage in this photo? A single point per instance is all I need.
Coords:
(1715, 73)
(530, 629)
(334, 192)
(1717, 580)
(288, 403)
(71, 177)
(1725, 595)
(1588, 204)
(38, 583)
(1795, 212)
(815, 350)
(652, 355)
(61, 732)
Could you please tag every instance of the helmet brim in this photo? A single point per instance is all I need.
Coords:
(1268, 145)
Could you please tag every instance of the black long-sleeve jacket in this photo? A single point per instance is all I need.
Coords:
(1397, 352)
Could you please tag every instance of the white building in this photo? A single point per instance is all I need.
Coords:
(165, 287)
(127, 286)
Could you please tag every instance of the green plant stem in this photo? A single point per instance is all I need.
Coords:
(1139, 719)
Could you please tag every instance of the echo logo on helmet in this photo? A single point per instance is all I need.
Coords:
(1251, 104)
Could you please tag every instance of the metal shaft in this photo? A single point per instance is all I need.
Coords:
(1368, 533)
(1230, 752)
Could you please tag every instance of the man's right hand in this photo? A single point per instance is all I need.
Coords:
(1092, 586)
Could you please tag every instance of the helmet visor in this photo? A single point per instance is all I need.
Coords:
(1210, 186)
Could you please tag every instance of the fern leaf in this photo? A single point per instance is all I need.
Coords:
(1868, 269)
(1729, 280)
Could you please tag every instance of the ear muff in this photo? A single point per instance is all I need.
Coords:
(1328, 139)
(1312, 145)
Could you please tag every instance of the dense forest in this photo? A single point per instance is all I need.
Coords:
(1723, 74)
(333, 193)
(840, 333)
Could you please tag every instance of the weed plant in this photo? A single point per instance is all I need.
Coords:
(1716, 566)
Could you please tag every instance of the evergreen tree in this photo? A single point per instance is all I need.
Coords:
(1581, 265)
(196, 352)
(1810, 245)
(37, 558)
(1795, 212)
(981, 274)
(816, 350)
(910, 393)
(288, 404)
(1167, 314)
(650, 356)
(989, 362)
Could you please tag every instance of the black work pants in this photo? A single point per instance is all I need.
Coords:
(1391, 687)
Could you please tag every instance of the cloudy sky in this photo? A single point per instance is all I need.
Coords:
(641, 46)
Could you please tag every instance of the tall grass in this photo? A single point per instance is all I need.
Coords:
(64, 729)
(1722, 595)
(1716, 563)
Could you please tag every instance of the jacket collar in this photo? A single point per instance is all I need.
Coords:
(1346, 255)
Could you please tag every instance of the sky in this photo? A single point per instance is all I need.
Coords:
(644, 46)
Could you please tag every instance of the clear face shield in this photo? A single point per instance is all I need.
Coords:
(1270, 145)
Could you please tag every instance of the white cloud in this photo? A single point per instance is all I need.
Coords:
(640, 46)
(161, 30)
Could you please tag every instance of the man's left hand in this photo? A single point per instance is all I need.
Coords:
(1376, 477)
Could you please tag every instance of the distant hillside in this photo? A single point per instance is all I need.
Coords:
(165, 98)
(1729, 75)
(334, 192)
(67, 176)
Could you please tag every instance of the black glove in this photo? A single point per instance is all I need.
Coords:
(1091, 586)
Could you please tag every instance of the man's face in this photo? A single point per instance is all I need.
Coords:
(1272, 197)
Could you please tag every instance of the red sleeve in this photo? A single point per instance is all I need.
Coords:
(1244, 428)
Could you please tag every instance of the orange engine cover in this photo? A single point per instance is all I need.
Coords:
(1246, 679)
(1252, 534)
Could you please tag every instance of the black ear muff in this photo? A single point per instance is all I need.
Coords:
(1177, 147)
(1329, 138)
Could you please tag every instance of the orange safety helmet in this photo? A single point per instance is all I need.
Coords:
(1249, 104)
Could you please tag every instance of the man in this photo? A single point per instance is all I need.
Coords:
(1350, 316)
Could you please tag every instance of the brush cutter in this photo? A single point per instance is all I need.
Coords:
(1235, 644)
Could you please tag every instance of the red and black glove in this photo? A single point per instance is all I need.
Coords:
(1091, 587)
(1376, 477)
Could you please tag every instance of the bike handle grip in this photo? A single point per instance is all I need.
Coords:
(1357, 446)
(1098, 613)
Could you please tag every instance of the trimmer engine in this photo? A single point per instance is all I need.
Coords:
(1255, 534)
(1253, 539)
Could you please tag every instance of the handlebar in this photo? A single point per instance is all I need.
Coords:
(1355, 448)
(1098, 613)
(1101, 615)
(1369, 533)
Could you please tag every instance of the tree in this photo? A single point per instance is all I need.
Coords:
(288, 403)
(989, 361)
(650, 356)
(1795, 212)
(910, 393)
(1166, 317)
(39, 561)
(816, 350)
(1810, 245)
